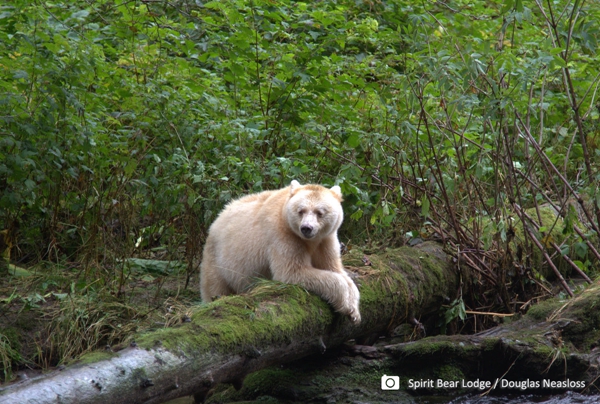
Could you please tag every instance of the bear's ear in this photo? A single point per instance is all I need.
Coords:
(337, 191)
(294, 186)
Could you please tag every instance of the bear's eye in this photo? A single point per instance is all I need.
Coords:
(301, 212)
(320, 213)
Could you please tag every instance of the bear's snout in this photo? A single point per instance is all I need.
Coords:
(307, 230)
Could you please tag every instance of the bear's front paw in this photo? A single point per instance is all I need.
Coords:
(353, 299)
(351, 304)
(355, 316)
(352, 313)
(345, 297)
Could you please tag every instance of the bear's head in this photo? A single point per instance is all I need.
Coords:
(313, 211)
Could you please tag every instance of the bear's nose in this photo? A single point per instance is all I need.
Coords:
(306, 230)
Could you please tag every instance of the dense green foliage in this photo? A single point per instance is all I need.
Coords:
(134, 118)
(125, 126)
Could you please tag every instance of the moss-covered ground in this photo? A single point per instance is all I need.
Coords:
(47, 319)
(53, 314)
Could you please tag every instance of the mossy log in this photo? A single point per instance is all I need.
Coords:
(551, 349)
(236, 335)
(555, 346)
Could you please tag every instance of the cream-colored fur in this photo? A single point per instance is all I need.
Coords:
(289, 235)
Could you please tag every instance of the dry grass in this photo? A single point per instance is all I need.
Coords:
(51, 317)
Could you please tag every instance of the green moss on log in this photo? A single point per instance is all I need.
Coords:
(245, 320)
(398, 282)
(95, 356)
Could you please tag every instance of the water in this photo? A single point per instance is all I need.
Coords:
(565, 398)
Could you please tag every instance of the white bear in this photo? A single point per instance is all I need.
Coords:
(289, 235)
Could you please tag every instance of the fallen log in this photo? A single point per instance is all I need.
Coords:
(551, 350)
(553, 347)
(236, 335)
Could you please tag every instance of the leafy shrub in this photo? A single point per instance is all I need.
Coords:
(130, 124)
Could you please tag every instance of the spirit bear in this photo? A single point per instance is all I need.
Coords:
(289, 235)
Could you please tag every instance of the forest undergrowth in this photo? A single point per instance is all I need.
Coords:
(127, 125)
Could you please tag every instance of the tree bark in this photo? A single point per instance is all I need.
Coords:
(553, 347)
(236, 335)
(550, 350)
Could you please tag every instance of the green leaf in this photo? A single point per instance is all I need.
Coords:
(155, 267)
(353, 140)
(581, 249)
(425, 206)
(130, 167)
(80, 15)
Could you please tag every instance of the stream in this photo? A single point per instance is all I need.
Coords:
(565, 398)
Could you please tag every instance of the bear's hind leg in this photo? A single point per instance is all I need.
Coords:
(212, 285)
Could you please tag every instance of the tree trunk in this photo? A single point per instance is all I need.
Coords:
(237, 335)
(553, 347)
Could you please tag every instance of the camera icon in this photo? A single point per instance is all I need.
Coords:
(390, 382)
